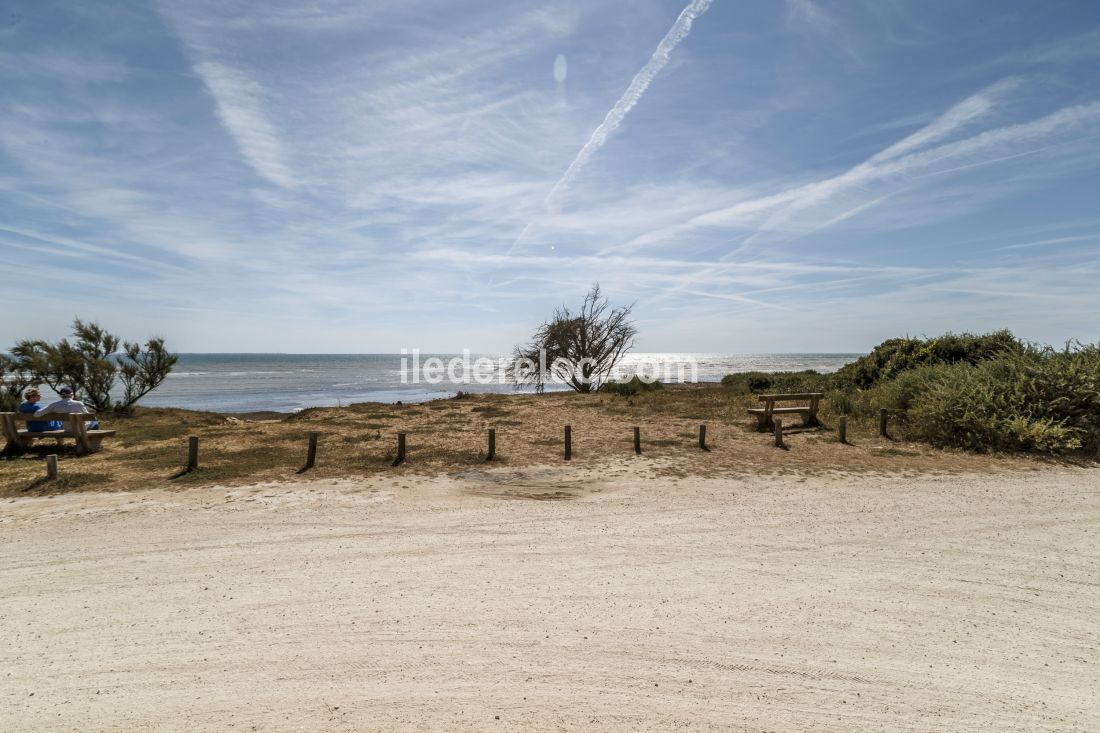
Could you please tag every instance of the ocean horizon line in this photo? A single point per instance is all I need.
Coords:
(287, 382)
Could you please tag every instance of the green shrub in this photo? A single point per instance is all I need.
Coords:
(633, 386)
(91, 364)
(1038, 400)
(900, 393)
(855, 404)
(895, 356)
(786, 382)
(984, 393)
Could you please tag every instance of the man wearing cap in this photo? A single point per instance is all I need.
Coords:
(65, 406)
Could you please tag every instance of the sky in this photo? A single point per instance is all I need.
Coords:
(351, 177)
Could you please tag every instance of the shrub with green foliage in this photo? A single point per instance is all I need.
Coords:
(1038, 399)
(762, 382)
(91, 363)
(990, 392)
(901, 393)
(895, 356)
(630, 387)
(13, 380)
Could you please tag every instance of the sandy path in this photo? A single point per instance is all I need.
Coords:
(868, 603)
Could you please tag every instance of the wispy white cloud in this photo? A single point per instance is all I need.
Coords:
(62, 64)
(966, 112)
(811, 207)
(1054, 241)
(984, 148)
(809, 12)
(313, 168)
(240, 103)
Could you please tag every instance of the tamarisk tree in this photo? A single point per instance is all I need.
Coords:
(13, 380)
(92, 362)
(578, 348)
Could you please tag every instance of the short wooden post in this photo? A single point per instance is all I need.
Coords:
(637, 441)
(568, 443)
(882, 417)
(492, 445)
(400, 450)
(842, 428)
(778, 432)
(192, 453)
(311, 454)
(703, 437)
(51, 466)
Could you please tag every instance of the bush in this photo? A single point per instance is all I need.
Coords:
(854, 404)
(984, 393)
(92, 363)
(895, 356)
(1038, 400)
(633, 386)
(762, 382)
(13, 380)
(900, 393)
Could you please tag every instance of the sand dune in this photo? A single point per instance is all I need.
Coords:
(558, 598)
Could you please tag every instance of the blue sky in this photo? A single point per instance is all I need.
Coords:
(755, 176)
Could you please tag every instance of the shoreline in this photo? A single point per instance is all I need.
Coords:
(456, 394)
(257, 382)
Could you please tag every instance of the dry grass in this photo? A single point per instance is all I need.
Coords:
(450, 435)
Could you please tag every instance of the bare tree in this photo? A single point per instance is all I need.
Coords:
(580, 349)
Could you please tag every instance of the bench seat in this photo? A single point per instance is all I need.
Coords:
(87, 441)
(808, 412)
(779, 410)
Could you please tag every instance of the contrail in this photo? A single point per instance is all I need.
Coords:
(633, 93)
(678, 32)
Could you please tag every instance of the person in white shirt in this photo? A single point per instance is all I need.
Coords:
(66, 406)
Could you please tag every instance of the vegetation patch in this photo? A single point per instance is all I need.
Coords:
(982, 393)
(778, 382)
(69, 481)
(893, 452)
(490, 411)
(631, 387)
(662, 442)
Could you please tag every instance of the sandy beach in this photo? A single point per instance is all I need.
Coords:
(551, 598)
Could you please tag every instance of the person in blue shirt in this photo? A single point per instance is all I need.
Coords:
(30, 407)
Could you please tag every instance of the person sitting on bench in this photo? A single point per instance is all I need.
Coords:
(31, 406)
(67, 405)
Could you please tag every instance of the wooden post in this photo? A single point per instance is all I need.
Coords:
(492, 444)
(311, 454)
(568, 443)
(703, 437)
(192, 453)
(778, 422)
(882, 416)
(400, 450)
(637, 441)
(51, 466)
(842, 428)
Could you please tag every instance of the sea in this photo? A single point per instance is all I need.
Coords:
(234, 383)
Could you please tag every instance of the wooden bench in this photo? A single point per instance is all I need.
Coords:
(808, 412)
(75, 426)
